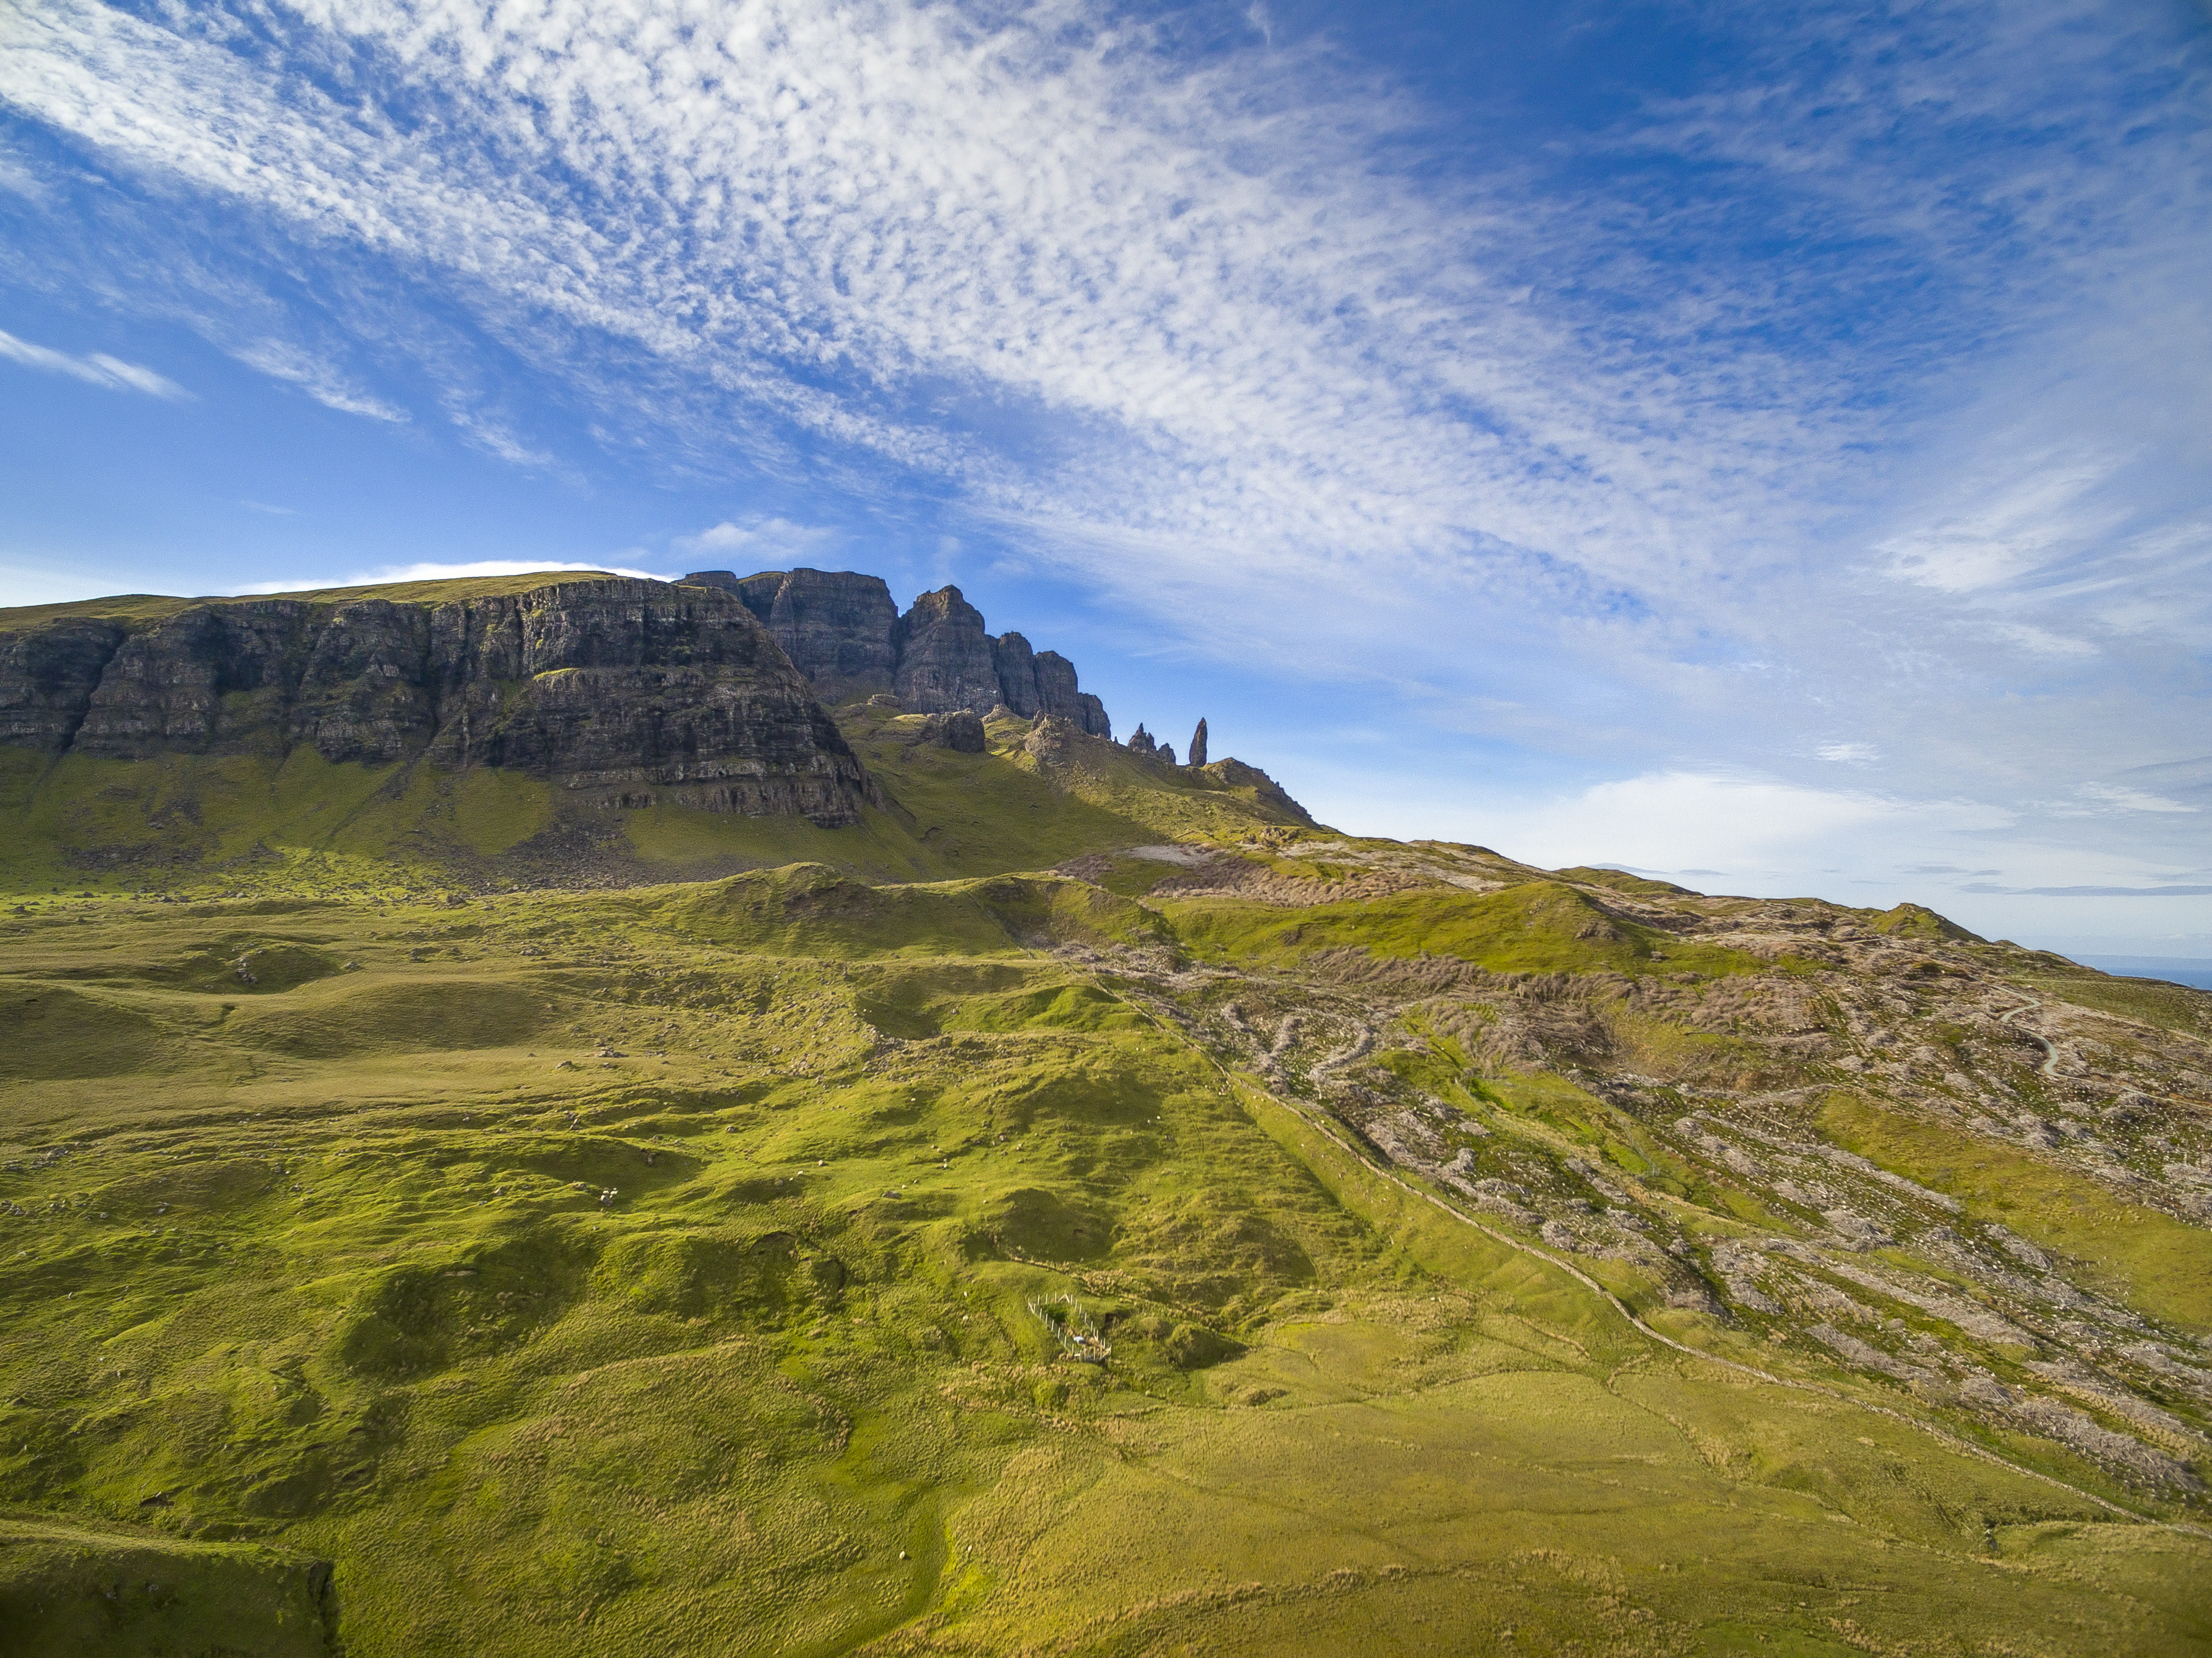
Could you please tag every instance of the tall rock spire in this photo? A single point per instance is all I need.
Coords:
(1198, 744)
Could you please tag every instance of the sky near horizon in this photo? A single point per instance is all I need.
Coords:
(1764, 445)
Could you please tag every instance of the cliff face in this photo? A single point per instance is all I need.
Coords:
(1043, 681)
(47, 675)
(842, 631)
(945, 660)
(630, 692)
(836, 627)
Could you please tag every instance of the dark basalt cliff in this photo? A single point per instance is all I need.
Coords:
(837, 628)
(628, 692)
(842, 631)
(945, 660)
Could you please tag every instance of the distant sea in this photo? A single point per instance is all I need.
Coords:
(2174, 969)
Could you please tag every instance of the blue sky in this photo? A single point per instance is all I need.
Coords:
(1766, 445)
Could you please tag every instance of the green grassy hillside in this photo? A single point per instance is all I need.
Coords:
(793, 1264)
(300, 826)
(1083, 1207)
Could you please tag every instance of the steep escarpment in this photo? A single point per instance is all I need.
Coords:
(628, 692)
(842, 630)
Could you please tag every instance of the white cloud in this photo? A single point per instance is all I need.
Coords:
(321, 381)
(2106, 800)
(494, 438)
(1199, 312)
(1749, 829)
(1849, 754)
(16, 175)
(1211, 316)
(98, 368)
(765, 542)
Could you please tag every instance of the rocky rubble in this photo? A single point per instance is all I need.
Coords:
(1718, 1097)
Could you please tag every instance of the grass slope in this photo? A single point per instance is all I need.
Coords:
(298, 825)
(702, 1267)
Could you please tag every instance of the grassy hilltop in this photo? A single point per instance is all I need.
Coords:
(1082, 1208)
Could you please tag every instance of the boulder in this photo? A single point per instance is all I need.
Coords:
(960, 731)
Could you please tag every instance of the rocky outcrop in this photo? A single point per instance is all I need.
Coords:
(945, 658)
(1015, 666)
(836, 627)
(1142, 742)
(1043, 681)
(1266, 791)
(1198, 745)
(1060, 747)
(961, 731)
(628, 692)
(843, 632)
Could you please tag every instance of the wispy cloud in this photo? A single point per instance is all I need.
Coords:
(98, 368)
(1863, 389)
(1214, 316)
(323, 381)
(494, 437)
(2106, 800)
(1217, 315)
(764, 541)
(2092, 892)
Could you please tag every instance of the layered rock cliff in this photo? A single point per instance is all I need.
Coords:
(628, 692)
(837, 628)
(945, 658)
(844, 633)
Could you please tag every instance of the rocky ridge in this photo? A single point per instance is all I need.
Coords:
(842, 631)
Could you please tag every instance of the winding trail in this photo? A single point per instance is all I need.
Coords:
(2050, 1065)
(1323, 1126)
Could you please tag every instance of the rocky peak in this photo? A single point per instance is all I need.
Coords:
(844, 633)
(945, 658)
